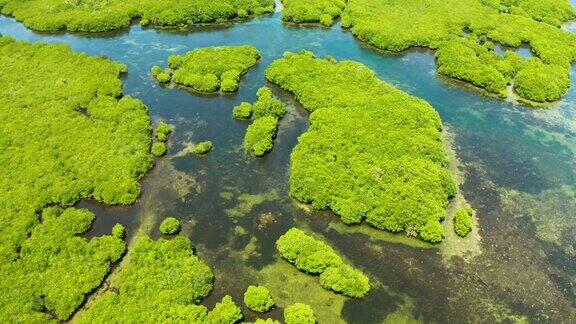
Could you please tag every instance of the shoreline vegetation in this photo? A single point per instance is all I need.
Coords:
(89, 141)
(463, 36)
(95, 16)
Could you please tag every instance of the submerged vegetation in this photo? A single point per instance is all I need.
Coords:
(258, 299)
(209, 69)
(471, 57)
(68, 134)
(372, 152)
(316, 257)
(98, 16)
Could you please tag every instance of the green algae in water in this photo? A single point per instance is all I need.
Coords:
(288, 286)
(247, 202)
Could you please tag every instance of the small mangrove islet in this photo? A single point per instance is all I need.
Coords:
(169, 226)
(258, 299)
(266, 112)
(316, 257)
(372, 153)
(209, 69)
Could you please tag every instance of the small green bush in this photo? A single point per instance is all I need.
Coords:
(170, 226)
(346, 280)
(242, 111)
(432, 231)
(299, 314)
(209, 69)
(158, 148)
(163, 77)
(267, 105)
(326, 20)
(229, 81)
(156, 70)
(225, 312)
(118, 231)
(260, 135)
(162, 131)
(463, 221)
(258, 299)
(242, 13)
(306, 252)
(203, 147)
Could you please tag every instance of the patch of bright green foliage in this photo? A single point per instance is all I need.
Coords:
(266, 112)
(316, 257)
(169, 226)
(67, 134)
(311, 11)
(98, 16)
(118, 231)
(203, 147)
(56, 268)
(463, 221)
(163, 281)
(242, 111)
(439, 24)
(209, 69)
(258, 299)
(372, 152)
(225, 312)
(259, 138)
(162, 131)
(299, 313)
(158, 149)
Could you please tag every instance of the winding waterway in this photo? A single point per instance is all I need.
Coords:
(518, 168)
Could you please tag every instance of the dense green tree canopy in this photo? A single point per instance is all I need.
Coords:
(209, 69)
(303, 11)
(316, 257)
(259, 138)
(463, 221)
(242, 111)
(299, 314)
(163, 282)
(67, 134)
(170, 225)
(440, 24)
(97, 16)
(258, 299)
(372, 151)
(56, 268)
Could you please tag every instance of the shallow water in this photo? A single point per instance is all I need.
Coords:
(503, 147)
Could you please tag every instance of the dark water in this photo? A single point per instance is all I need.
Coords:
(503, 147)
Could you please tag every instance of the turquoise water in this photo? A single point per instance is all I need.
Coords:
(503, 147)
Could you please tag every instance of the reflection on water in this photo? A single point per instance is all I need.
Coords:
(503, 147)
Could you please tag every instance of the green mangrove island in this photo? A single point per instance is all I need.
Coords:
(287, 161)
(209, 69)
(372, 152)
